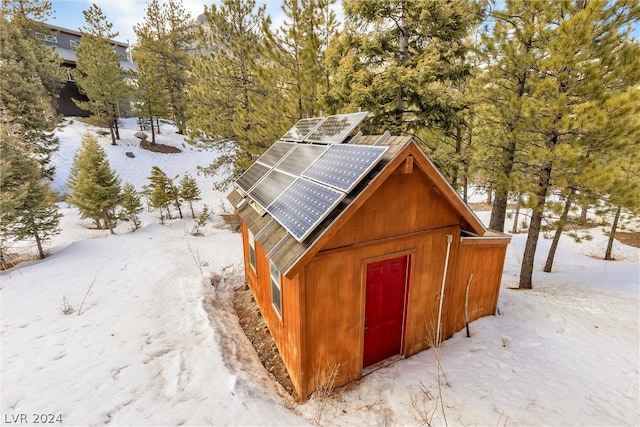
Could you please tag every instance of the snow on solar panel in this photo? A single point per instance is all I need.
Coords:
(301, 129)
(298, 159)
(335, 129)
(252, 175)
(270, 187)
(303, 205)
(343, 166)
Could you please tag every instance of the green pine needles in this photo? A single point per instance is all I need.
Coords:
(94, 187)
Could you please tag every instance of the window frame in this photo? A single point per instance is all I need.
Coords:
(252, 250)
(73, 43)
(275, 281)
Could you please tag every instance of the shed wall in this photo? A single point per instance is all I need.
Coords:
(285, 330)
(485, 260)
(335, 297)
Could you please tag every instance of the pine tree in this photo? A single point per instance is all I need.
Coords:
(98, 72)
(509, 51)
(130, 205)
(159, 190)
(587, 60)
(28, 207)
(297, 68)
(94, 187)
(162, 55)
(26, 98)
(189, 191)
(226, 87)
(397, 59)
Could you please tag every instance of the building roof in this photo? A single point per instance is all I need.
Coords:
(289, 255)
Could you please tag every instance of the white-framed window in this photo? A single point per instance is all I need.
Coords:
(276, 288)
(252, 249)
(74, 43)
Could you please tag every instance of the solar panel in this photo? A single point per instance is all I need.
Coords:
(301, 129)
(298, 159)
(303, 205)
(276, 152)
(252, 175)
(335, 129)
(270, 187)
(343, 166)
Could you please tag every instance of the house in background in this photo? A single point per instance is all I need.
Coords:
(359, 253)
(64, 41)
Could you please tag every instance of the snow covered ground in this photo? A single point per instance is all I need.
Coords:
(152, 341)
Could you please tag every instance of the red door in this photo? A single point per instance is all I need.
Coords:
(385, 309)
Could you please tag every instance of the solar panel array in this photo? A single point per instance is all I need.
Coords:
(301, 129)
(300, 184)
(343, 166)
(335, 129)
(303, 205)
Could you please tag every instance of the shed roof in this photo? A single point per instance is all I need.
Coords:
(289, 255)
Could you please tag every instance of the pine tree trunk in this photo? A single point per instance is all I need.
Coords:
(583, 213)
(41, 253)
(516, 217)
(157, 125)
(556, 237)
(153, 133)
(489, 196)
(501, 199)
(526, 271)
(113, 135)
(117, 129)
(193, 214)
(612, 234)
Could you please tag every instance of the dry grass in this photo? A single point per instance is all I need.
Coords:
(630, 238)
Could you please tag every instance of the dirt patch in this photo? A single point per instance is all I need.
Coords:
(159, 148)
(631, 238)
(256, 330)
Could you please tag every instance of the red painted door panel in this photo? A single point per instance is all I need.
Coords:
(384, 309)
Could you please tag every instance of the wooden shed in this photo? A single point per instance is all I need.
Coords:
(361, 282)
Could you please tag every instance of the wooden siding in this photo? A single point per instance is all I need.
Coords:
(335, 297)
(485, 262)
(285, 330)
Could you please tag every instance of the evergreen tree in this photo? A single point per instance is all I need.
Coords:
(98, 72)
(29, 17)
(397, 60)
(28, 207)
(26, 102)
(94, 187)
(226, 88)
(510, 52)
(162, 55)
(588, 60)
(296, 65)
(130, 205)
(189, 191)
(159, 190)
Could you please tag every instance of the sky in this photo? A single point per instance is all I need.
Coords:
(124, 14)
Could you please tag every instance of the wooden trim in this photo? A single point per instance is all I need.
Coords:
(485, 241)
(408, 166)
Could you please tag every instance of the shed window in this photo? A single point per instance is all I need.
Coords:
(252, 249)
(276, 290)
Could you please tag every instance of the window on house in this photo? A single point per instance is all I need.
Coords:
(276, 290)
(51, 39)
(252, 249)
(74, 43)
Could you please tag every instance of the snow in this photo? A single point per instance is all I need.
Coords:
(153, 339)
